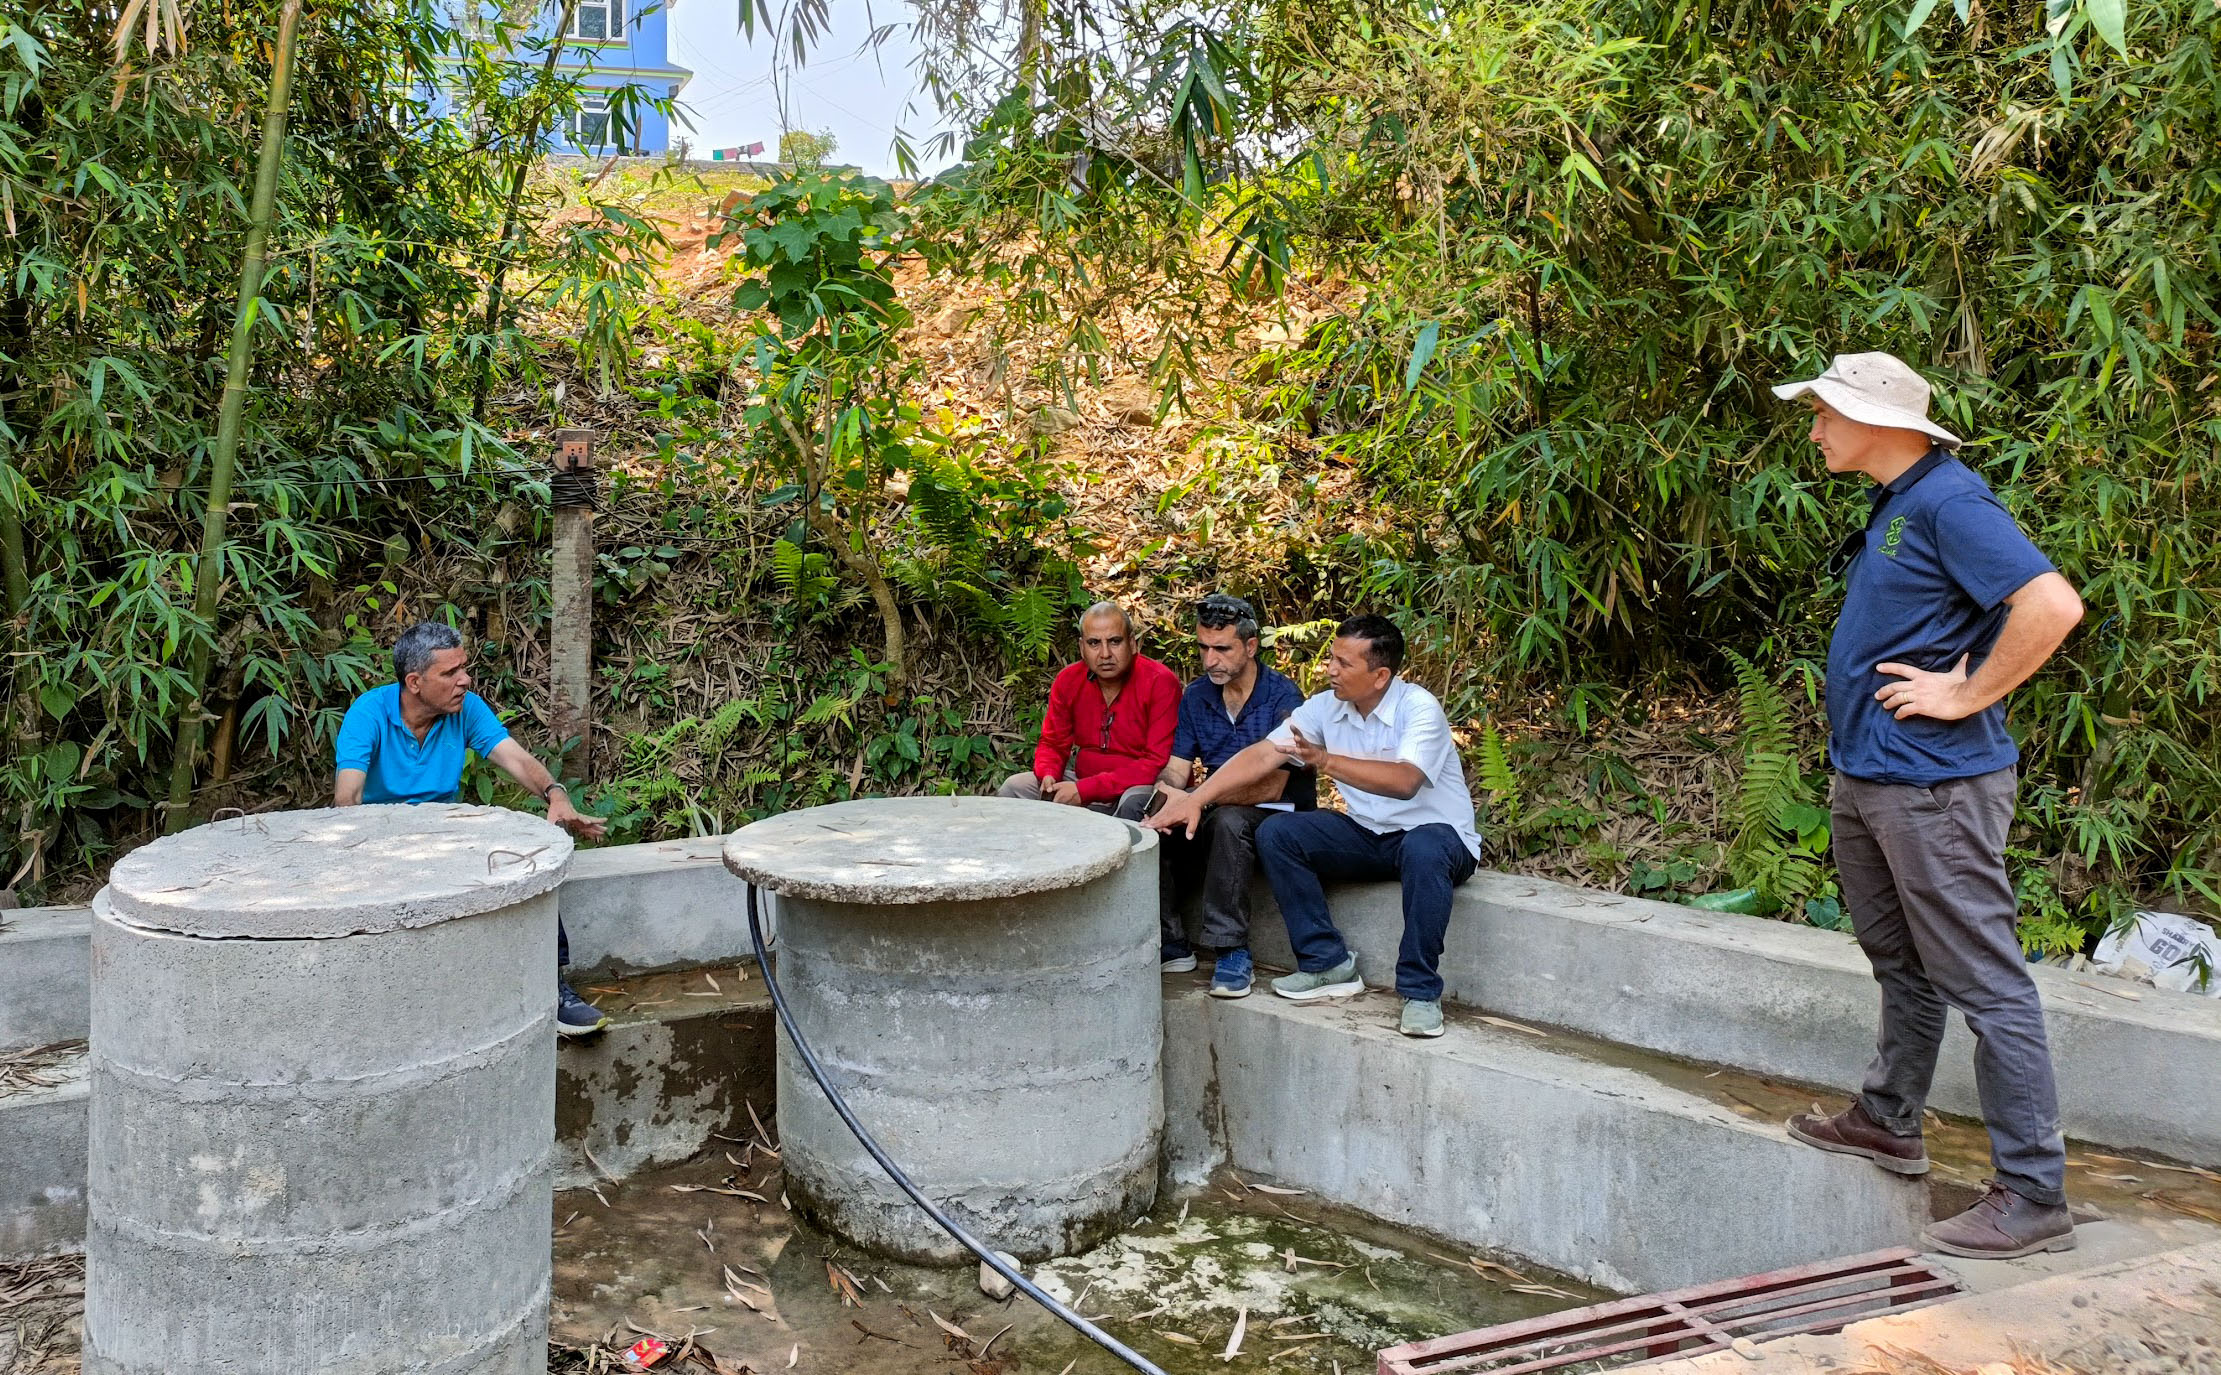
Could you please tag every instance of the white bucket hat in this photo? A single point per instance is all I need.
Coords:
(1873, 389)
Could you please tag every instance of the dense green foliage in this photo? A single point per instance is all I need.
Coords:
(123, 176)
(1584, 235)
(1525, 269)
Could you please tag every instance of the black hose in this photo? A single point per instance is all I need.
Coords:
(894, 1172)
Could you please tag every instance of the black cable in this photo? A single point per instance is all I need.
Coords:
(569, 488)
(894, 1172)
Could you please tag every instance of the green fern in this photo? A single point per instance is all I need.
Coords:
(1497, 777)
(1030, 619)
(827, 707)
(1780, 834)
(787, 566)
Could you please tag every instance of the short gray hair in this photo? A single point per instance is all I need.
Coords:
(413, 652)
(1109, 609)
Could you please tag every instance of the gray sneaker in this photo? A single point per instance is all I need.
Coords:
(1339, 982)
(1421, 1018)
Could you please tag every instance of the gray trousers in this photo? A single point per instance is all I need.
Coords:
(1924, 878)
(1218, 863)
(1128, 807)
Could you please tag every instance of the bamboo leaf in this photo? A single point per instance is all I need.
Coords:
(1422, 353)
(2110, 19)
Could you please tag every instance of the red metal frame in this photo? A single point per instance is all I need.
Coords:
(1823, 1297)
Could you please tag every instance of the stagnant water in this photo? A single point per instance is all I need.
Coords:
(1316, 1289)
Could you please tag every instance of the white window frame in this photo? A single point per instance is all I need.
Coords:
(613, 20)
(592, 105)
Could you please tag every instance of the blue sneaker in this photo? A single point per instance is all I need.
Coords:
(1232, 977)
(574, 1016)
(1175, 957)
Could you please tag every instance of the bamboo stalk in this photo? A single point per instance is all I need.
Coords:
(14, 574)
(208, 574)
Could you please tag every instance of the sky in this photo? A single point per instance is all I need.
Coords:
(861, 97)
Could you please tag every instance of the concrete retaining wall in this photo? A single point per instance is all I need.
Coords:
(637, 909)
(45, 978)
(1495, 1141)
(2138, 1067)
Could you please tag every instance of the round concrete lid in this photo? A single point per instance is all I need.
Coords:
(927, 849)
(338, 871)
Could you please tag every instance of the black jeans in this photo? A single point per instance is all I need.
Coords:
(1301, 848)
(562, 948)
(1219, 859)
(1924, 876)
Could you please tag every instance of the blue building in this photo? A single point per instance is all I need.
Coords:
(613, 44)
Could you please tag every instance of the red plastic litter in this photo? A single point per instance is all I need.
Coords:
(645, 1352)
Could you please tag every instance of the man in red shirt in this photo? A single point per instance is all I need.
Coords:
(1108, 730)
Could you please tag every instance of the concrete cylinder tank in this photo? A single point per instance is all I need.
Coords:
(323, 1096)
(979, 978)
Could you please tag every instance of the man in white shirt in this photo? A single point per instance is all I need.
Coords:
(1386, 744)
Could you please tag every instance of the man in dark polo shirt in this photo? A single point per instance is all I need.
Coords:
(1948, 608)
(1236, 703)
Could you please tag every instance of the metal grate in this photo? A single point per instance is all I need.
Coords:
(1687, 1322)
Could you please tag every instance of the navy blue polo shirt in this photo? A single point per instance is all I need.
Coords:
(1205, 733)
(1928, 583)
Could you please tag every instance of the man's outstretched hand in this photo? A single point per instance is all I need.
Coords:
(1179, 811)
(562, 813)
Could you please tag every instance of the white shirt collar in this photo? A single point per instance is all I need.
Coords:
(1387, 713)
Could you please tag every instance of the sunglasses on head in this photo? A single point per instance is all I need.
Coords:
(1218, 610)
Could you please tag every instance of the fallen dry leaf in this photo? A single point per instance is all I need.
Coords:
(1234, 1343)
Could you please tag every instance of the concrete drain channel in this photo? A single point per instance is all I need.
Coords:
(1217, 1185)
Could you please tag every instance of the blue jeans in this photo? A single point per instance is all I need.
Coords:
(1298, 849)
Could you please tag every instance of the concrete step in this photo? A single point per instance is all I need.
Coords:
(43, 1099)
(683, 1059)
(1495, 1139)
(2137, 1067)
(679, 1065)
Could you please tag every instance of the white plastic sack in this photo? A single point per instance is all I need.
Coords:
(2165, 949)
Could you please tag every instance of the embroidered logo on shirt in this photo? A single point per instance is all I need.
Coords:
(1893, 537)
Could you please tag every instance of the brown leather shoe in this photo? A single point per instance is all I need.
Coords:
(1852, 1132)
(2003, 1225)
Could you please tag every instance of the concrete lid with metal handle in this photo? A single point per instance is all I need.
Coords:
(902, 850)
(337, 871)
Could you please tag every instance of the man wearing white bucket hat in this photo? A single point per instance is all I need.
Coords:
(1947, 608)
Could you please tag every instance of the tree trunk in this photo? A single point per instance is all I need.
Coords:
(209, 573)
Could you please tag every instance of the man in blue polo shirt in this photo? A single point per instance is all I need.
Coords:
(405, 742)
(1948, 608)
(1236, 703)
